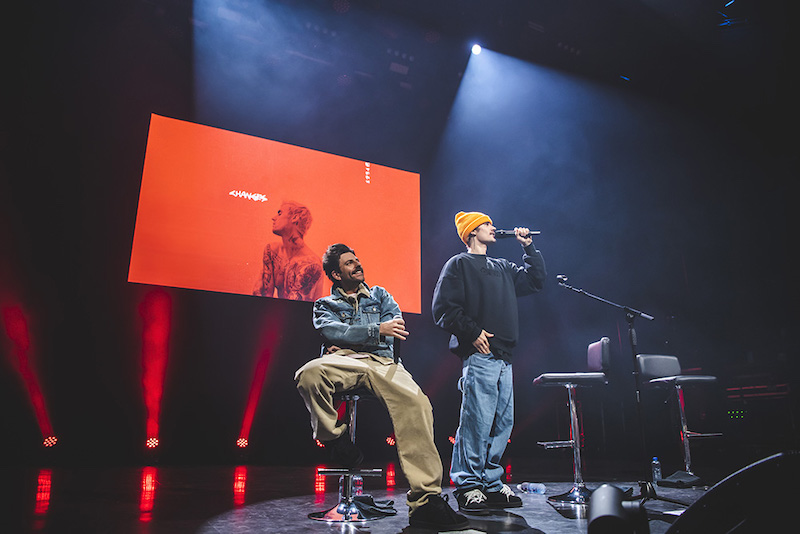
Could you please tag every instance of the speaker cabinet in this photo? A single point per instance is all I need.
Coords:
(762, 497)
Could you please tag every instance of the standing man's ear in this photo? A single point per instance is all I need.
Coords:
(337, 275)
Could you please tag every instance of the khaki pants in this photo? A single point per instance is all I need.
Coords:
(409, 409)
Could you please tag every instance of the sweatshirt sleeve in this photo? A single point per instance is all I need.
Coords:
(449, 302)
(530, 278)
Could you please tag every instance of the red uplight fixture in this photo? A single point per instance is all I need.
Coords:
(155, 311)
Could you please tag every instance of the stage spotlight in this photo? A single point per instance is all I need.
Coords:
(476, 49)
(151, 443)
(390, 441)
(242, 443)
(609, 513)
(50, 441)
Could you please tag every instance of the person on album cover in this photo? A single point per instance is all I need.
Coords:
(291, 269)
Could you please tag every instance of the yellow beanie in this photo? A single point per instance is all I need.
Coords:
(467, 222)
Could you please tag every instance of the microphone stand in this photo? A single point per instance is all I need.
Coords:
(647, 488)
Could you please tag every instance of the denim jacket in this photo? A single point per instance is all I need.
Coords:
(342, 325)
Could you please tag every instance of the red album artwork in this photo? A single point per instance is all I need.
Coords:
(224, 211)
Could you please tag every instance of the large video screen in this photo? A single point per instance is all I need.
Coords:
(228, 212)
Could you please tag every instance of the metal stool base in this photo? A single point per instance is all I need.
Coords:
(341, 513)
(579, 494)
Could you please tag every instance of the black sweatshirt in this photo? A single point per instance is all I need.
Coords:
(476, 292)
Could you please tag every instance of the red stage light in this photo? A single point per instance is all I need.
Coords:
(452, 440)
(16, 327)
(319, 444)
(155, 311)
(239, 485)
(390, 441)
(242, 443)
(272, 333)
(50, 441)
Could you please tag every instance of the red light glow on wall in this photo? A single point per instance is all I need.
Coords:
(239, 485)
(16, 327)
(147, 497)
(273, 328)
(155, 311)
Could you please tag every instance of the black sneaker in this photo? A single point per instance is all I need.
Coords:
(505, 498)
(437, 515)
(344, 452)
(471, 501)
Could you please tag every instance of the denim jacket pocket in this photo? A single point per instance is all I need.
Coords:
(345, 315)
(372, 313)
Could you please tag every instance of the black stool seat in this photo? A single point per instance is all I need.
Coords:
(664, 371)
(683, 380)
(597, 358)
(578, 379)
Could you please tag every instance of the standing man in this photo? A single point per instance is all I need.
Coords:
(475, 300)
(291, 269)
(359, 324)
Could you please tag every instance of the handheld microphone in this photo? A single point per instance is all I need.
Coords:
(499, 234)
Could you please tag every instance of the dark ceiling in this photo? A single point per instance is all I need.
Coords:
(733, 61)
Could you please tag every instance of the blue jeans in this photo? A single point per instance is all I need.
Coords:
(485, 423)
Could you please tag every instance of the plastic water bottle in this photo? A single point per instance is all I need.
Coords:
(532, 487)
(655, 465)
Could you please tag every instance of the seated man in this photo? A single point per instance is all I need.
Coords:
(358, 324)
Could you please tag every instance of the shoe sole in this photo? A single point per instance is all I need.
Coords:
(438, 527)
(503, 506)
(482, 511)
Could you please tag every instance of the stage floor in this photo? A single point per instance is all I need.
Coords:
(245, 499)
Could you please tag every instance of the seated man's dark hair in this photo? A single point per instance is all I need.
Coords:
(330, 260)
